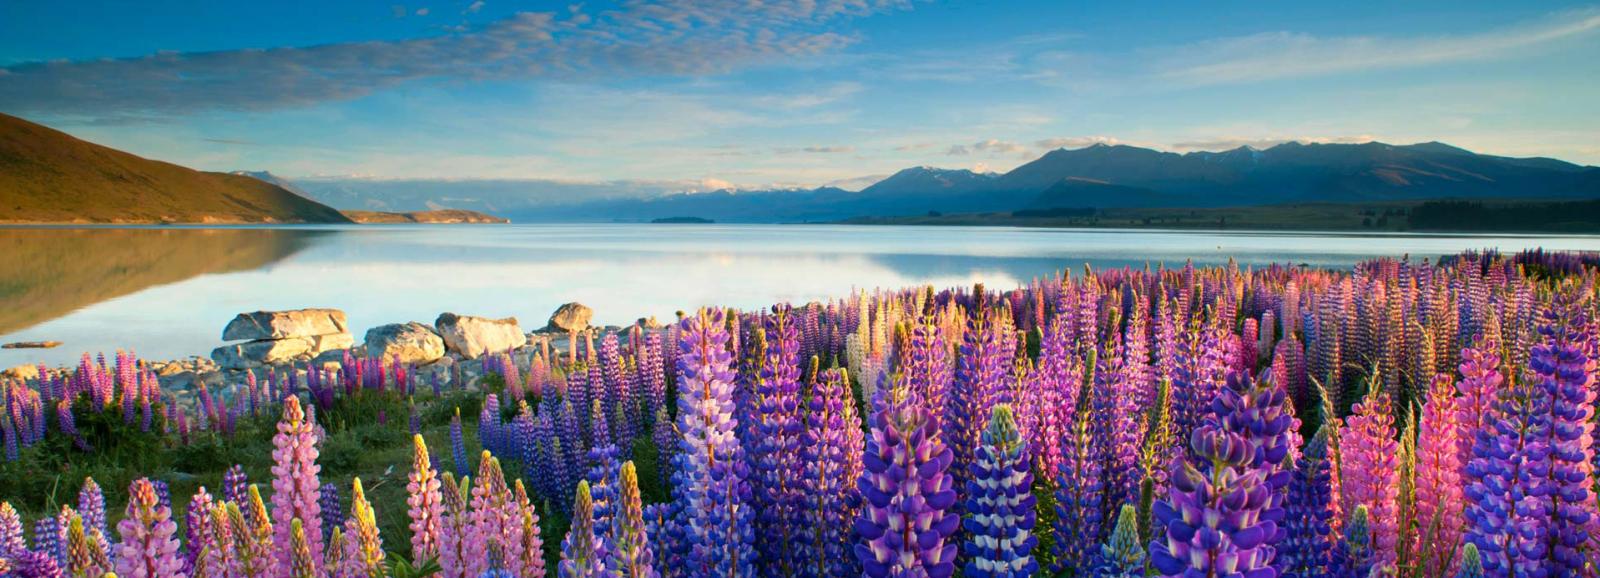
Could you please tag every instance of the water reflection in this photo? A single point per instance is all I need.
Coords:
(49, 272)
(168, 292)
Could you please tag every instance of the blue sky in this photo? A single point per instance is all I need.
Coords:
(709, 93)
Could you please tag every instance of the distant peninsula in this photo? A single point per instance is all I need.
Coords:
(437, 217)
(683, 221)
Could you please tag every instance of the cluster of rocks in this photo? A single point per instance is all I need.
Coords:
(285, 341)
(279, 337)
(322, 336)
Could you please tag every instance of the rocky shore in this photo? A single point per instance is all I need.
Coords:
(293, 341)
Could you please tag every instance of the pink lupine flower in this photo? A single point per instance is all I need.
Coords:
(1439, 491)
(425, 503)
(295, 486)
(149, 547)
(1371, 468)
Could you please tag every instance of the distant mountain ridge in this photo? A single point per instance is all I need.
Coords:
(1121, 176)
(48, 176)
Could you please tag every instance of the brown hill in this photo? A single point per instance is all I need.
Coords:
(48, 176)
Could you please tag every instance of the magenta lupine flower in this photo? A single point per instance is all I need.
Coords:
(362, 555)
(455, 526)
(295, 486)
(149, 548)
(219, 555)
(497, 523)
(1370, 465)
(904, 525)
(425, 503)
(1438, 480)
(709, 488)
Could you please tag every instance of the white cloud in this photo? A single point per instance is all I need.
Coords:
(989, 146)
(1278, 55)
(666, 38)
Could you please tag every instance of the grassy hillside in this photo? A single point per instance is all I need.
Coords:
(49, 176)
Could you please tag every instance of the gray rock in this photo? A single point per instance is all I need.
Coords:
(471, 337)
(412, 343)
(261, 325)
(251, 354)
(571, 317)
(649, 323)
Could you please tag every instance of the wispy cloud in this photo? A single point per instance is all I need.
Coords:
(989, 146)
(1075, 142)
(1279, 55)
(667, 37)
(1228, 143)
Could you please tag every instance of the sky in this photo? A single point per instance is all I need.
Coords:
(702, 94)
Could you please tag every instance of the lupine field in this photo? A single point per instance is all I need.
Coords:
(1405, 418)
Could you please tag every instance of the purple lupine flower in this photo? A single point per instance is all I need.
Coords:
(1116, 424)
(775, 465)
(1222, 518)
(1000, 503)
(583, 553)
(710, 489)
(196, 526)
(666, 442)
(1564, 369)
(630, 553)
(831, 453)
(982, 367)
(11, 540)
(904, 524)
(92, 507)
(47, 540)
(1308, 532)
(332, 510)
(458, 447)
(235, 484)
(1079, 494)
(602, 470)
(489, 425)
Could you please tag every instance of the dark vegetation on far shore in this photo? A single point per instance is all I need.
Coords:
(1421, 216)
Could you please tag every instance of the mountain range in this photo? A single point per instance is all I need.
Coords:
(49, 176)
(1120, 176)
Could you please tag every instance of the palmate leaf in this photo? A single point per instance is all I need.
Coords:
(399, 567)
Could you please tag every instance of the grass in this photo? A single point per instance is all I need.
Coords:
(49, 474)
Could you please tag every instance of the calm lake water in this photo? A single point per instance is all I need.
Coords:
(166, 292)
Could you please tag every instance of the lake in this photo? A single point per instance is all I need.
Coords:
(166, 292)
